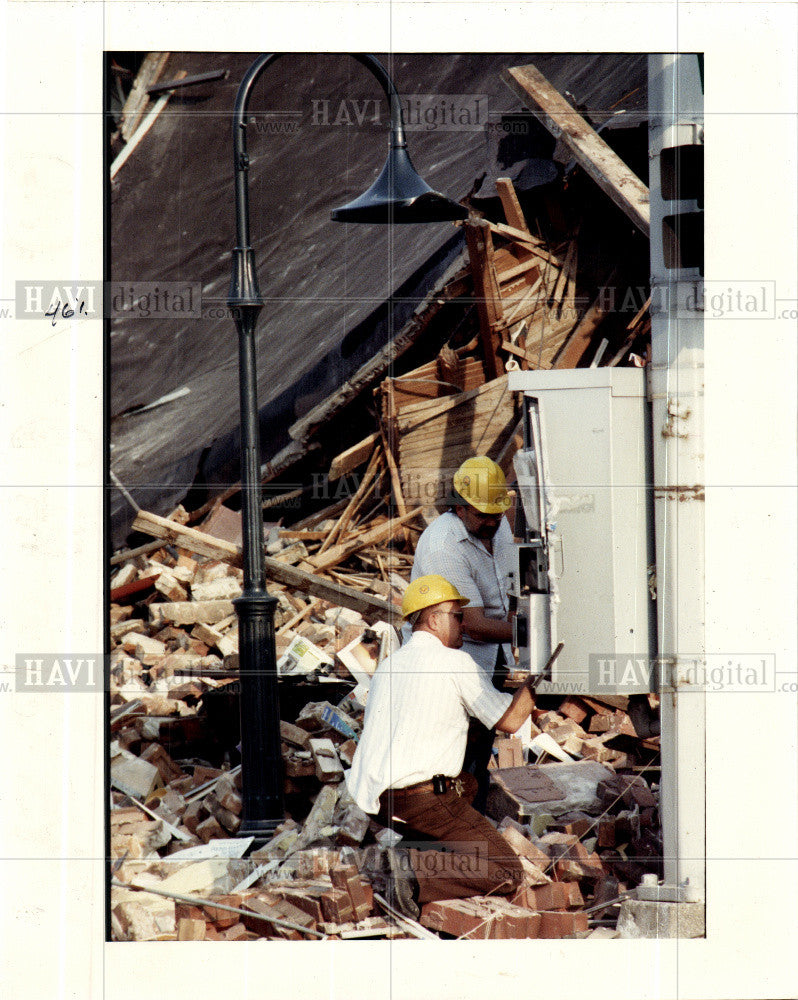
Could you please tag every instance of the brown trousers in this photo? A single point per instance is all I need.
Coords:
(476, 860)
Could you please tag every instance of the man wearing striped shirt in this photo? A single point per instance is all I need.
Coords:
(408, 764)
(472, 546)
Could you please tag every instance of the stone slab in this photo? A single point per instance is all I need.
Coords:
(642, 918)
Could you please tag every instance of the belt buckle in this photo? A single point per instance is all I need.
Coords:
(459, 786)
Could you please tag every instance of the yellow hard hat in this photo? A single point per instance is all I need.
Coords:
(428, 590)
(481, 483)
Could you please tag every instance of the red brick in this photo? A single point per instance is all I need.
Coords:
(561, 924)
(336, 906)
(185, 911)
(192, 817)
(606, 833)
(590, 864)
(517, 922)
(554, 896)
(305, 901)
(190, 930)
(203, 774)
(568, 871)
(573, 708)
(340, 874)
(455, 917)
(511, 752)
(263, 909)
(481, 918)
(287, 911)
(360, 901)
(237, 932)
(223, 918)
(210, 829)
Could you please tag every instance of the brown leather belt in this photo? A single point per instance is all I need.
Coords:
(440, 781)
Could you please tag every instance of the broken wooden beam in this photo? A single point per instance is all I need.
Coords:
(511, 205)
(340, 552)
(580, 338)
(352, 458)
(486, 293)
(592, 153)
(290, 576)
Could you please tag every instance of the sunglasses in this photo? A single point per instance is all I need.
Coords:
(455, 614)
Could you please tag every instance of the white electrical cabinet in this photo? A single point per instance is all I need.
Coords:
(585, 574)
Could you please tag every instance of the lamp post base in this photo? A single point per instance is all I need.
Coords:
(263, 829)
(261, 759)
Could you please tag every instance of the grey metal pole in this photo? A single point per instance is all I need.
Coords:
(676, 386)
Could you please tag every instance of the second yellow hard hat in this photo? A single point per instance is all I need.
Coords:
(481, 483)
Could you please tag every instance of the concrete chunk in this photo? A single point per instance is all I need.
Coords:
(642, 918)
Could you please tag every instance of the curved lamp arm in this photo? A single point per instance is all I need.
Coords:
(397, 195)
(240, 127)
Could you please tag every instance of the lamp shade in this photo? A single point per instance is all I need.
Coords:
(399, 195)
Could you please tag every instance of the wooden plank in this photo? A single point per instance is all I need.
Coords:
(140, 550)
(531, 243)
(579, 341)
(411, 414)
(303, 536)
(322, 515)
(142, 130)
(509, 273)
(352, 458)
(511, 205)
(340, 552)
(189, 538)
(364, 488)
(138, 98)
(562, 277)
(290, 576)
(346, 597)
(486, 293)
(388, 434)
(298, 617)
(606, 168)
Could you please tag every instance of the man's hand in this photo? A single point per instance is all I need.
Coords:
(520, 708)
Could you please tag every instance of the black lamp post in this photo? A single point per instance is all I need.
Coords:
(398, 195)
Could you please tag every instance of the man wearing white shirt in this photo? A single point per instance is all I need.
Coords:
(472, 546)
(408, 764)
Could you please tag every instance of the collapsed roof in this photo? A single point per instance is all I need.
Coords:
(335, 294)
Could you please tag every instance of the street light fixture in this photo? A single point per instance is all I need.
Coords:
(398, 195)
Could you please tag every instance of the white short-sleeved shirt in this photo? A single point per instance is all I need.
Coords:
(416, 721)
(445, 547)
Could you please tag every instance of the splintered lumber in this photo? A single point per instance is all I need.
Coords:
(388, 436)
(140, 550)
(486, 292)
(580, 339)
(528, 241)
(364, 488)
(340, 552)
(290, 576)
(192, 539)
(511, 205)
(138, 98)
(606, 168)
(435, 437)
(352, 458)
